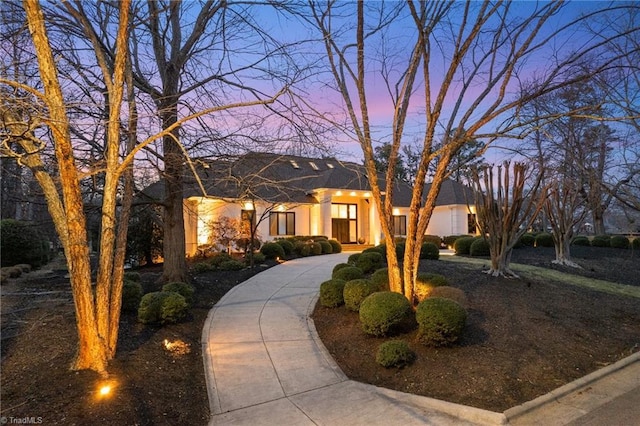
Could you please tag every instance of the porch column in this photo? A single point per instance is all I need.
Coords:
(325, 214)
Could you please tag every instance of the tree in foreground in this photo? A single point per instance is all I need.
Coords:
(505, 210)
(458, 62)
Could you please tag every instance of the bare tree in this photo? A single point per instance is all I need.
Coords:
(459, 69)
(506, 208)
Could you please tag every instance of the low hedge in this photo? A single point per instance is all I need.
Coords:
(331, 293)
(369, 261)
(326, 247)
(348, 273)
(286, 245)
(335, 246)
(581, 240)
(272, 250)
(619, 241)
(385, 313)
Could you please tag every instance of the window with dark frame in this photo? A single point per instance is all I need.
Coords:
(472, 227)
(400, 225)
(282, 223)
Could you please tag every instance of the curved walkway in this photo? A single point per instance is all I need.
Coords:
(265, 364)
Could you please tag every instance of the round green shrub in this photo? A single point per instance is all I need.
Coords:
(450, 240)
(619, 241)
(336, 247)
(581, 240)
(257, 258)
(635, 244)
(434, 239)
(395, 353)
(380, 278)
(339, 266)
(479, 247)
(185, 290)
(369, 261)
(286, 245)
(544, 239)
(327, 248)
(463, 245)
(272, 250)
(452, 293)
(355, 291)
(316, 248)
(527, 240)
(353, 258)
(384, 313)
(132, 276)
(162, 307)
(601, 241)
(440, 321)
(426, 282)
(371, 250)
(231, 265)
(217, 259)
(201, 267)
(131, 295)
(331, 293)
(302, 248)
(349, 273)
(429, 250)
(20, 242)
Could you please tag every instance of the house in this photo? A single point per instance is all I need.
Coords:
(286, 195)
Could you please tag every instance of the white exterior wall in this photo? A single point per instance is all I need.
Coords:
(449, 220)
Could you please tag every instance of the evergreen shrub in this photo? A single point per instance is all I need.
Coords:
(635, 244)
(440, 321)
(338, 267)
(527, 240)
(462, 245)
(450, 240)
(348, 273)
(185, 290)
(258, 258)
(162, 307)
(581, 240)
(380, 278)
(272, 250)
(131, 295)
(20, 242)
(395, 353)
(434, 239)
(217, 259)
(601, 241)
(231, 265)
(286, 245)
(429, 250)
(331, 293)
(132, 276)
(620, 241)
(479, 247)
(426, 282)
(335, 246)
(385, 313)
(544, 239)
(326, 246)
(369, 261)
(355, 291)
(353, 258)
(201, 267)
(453, 293)
(316, 248)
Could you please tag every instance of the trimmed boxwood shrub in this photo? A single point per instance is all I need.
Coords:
(369, 261)
(429, 250)
(286, 245)
(272, 250)
(335, 246)
(219, 258)
(452, 293)
(257, 258)
(353, 258)
(339, 266)
(162, 307)
(435, 239)
(132, 276)
(463, 245)
(450, 240)
(619, 241)
(302, 248)
(395, 353)
(635, 244)
(327, 248)
(544, 239)
(527, 240)
(355, 291)
(202, 267)
(183, 289)
(385, 313)
(581, 240)
(440, 321)
(380, 278)
(231, 265)
(331, 293)
(426, 282)
(131, 295)
(601, 241)
(479, 247)
(348, 273)
(316, 248)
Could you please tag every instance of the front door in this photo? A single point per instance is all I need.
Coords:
(344, 223)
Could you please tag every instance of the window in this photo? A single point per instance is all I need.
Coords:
(471, 224)
(282, 223)
(400, 225)
(313, 165)
(294, 164)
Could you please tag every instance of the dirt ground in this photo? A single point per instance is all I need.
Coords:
(523, 338)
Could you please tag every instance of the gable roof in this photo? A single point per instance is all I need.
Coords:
(452, 192)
